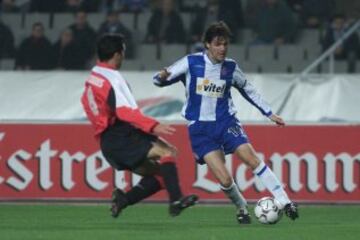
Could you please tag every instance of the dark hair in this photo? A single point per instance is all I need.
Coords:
(37, 24)
(217, 29)
(108, 45)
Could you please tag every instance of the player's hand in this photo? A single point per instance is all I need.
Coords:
(163, 129)
(277, 119)
(164, 74)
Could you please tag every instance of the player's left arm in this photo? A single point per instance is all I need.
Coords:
(248, 91)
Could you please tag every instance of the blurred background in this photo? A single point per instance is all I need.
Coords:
(269, 36)
(312, 47)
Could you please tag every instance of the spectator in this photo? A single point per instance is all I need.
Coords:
(8, 6)
(106, 6)
(230, 11)
(133, 5)
(6, 41)
(34, 51)
(204, 16)
(188, 6)
(73, 6)
(251, 12)
(92, 5)
(349, 49)
(350, 7)
(165, 25)
(125, 5)
(46, 6)
(113, 24)
(274, 23)
(68, 54)
(295, 5)
(84, 34)
(314, 13)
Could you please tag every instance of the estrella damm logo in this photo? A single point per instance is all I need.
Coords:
(210, 88)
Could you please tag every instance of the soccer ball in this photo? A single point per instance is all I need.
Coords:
(268, 211)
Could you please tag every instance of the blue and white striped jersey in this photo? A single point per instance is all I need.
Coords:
(208, 95)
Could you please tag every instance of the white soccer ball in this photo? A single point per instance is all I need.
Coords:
(268, 211)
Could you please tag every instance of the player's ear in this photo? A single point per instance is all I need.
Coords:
(119, 54)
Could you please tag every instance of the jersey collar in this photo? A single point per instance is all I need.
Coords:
(106, 65)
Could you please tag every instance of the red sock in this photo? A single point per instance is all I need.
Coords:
(168, 159)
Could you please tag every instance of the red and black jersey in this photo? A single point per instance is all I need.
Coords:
(107, 98)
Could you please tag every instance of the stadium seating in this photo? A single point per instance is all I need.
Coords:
(43, 18)
(172, 52)
(132, 65)
(252, 58)
(13, 20)
(141, 24)
(246, 36)
(186, 17)
(309, 37)
(149, 56)
(7, 64)
(238, 52)
(288, 58)
(20, 34)
(62, 20)
(95, 19)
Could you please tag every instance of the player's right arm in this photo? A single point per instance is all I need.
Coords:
(172, 74)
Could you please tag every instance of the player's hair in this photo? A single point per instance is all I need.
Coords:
(217, 29)
(108, 45)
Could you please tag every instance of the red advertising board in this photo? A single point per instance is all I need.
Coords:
(63, 161)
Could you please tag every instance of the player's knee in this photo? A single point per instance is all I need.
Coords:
(226, 181)
(169, 152)
(248, 155)
(252, 161)
(168, 156)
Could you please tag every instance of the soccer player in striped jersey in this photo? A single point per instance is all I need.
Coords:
(213, 127)
(128, 139)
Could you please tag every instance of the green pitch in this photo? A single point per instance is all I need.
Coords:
(150, 221)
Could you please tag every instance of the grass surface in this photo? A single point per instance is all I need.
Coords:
(151, 221)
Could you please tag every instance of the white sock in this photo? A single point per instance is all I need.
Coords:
(235, 196)
(271, 183)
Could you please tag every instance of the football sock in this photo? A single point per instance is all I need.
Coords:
(233, 193)
(272, 183)
(171, 180)
(146, 187)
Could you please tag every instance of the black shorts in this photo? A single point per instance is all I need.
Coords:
(124, 146)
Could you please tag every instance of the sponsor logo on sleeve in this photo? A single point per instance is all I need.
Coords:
(95, 81)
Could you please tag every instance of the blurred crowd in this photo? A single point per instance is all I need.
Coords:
(273, 22)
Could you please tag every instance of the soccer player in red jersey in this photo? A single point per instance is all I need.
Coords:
(128, 139)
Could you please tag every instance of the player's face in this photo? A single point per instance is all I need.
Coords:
(217, 49)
